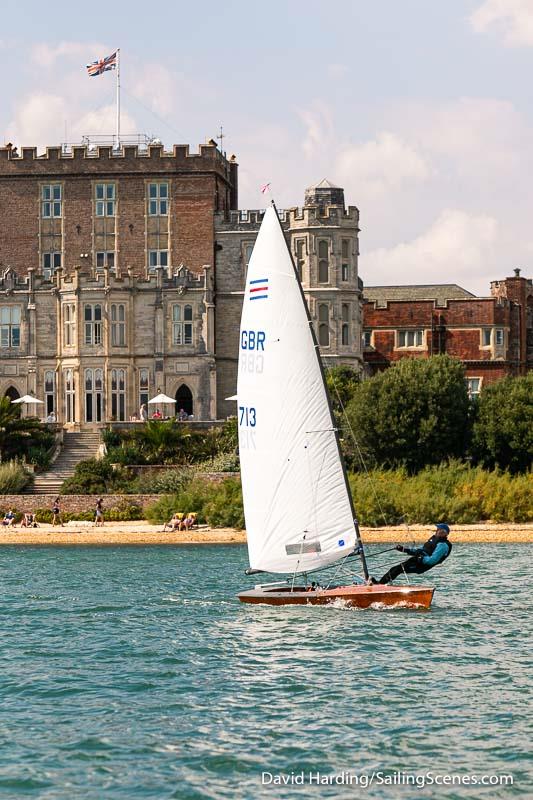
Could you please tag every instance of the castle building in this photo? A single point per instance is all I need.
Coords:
(122, 275)
(492, 336)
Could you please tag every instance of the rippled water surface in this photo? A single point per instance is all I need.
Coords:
(135, 673)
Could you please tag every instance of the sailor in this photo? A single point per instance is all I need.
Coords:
(433, 552)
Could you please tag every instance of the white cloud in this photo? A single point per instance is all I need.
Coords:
(40, 118)
(380, 165)
(337, 70)
(455, 248)
(513, 19)
(320, 130)
(158, 88)
(45, 55)
(468, 136)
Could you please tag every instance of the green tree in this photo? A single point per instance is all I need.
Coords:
(503, 430)
(18, 434)
(342, 383)
(414, 414)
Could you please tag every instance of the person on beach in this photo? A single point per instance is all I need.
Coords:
(99, 513)
(174, 522)
(56, 513)
(28, 520)
(9, 519)
(187, 522)
(433, 552)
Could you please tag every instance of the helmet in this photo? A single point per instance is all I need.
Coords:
(441, 526)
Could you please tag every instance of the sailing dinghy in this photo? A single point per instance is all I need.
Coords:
(297, 503)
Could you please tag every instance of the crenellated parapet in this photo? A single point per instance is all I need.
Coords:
(295, 217)
(105, 158)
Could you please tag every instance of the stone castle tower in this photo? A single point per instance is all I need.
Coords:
(323, 239)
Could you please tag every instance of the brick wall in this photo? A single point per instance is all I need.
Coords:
(455, 327)
(193, 182)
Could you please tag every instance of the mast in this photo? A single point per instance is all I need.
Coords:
(360, 548)
(118, 99)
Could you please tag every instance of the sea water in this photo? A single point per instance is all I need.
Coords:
(134, 672)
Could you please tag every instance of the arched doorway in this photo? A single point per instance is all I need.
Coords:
(184, 400)
(12, 393)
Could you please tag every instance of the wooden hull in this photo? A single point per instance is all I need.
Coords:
(377, 595)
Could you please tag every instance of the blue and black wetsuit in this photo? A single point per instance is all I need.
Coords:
(433, 552)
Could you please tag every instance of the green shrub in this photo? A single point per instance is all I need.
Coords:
(90, 477)
(170, 481)
(503, 429)
(223, 462)
(218, 504)
(164, 509)
(13, 478)
(43, 515)
(224, 507)
(40, 456)
(97, 476)
(169, 442)
(122, 512)
(456, 493)
(126, 453)
(111, 438)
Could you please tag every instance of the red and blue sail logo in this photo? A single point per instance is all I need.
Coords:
(259, 289)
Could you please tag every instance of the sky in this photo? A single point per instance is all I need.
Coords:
(422, 110)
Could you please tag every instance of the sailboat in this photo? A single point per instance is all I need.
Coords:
(297, 503)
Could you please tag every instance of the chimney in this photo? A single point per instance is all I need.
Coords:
(517, 272)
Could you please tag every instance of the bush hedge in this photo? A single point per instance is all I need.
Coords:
(217, 504)
(13, 478)
(456, 493)
(123, 512)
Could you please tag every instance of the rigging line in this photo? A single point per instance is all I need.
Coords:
(372, 555)
(157, 116)
(359, 452)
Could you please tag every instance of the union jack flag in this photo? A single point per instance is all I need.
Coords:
(103, 65)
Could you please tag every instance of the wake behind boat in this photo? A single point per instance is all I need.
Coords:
(297, 503)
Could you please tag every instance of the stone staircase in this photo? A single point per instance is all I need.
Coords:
(76, 447)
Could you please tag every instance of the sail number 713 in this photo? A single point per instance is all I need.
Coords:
(247, 417)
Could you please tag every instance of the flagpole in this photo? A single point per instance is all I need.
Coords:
(118, 98)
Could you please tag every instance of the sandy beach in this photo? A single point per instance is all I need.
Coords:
(142, 533)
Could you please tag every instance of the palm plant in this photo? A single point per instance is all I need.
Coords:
(17, 433)
(163, 442)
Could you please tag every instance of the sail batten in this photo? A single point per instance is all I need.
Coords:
(297, 509)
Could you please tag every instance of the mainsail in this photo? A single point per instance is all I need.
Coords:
(296, 504)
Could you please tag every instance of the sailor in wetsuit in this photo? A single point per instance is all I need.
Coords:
(433, 552)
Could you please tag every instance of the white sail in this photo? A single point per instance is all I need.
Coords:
(298, 513)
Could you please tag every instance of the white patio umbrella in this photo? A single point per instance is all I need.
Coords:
(161, 400)
(27, 400)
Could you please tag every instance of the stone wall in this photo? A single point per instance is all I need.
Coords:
(84, 502)
(72, 502)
